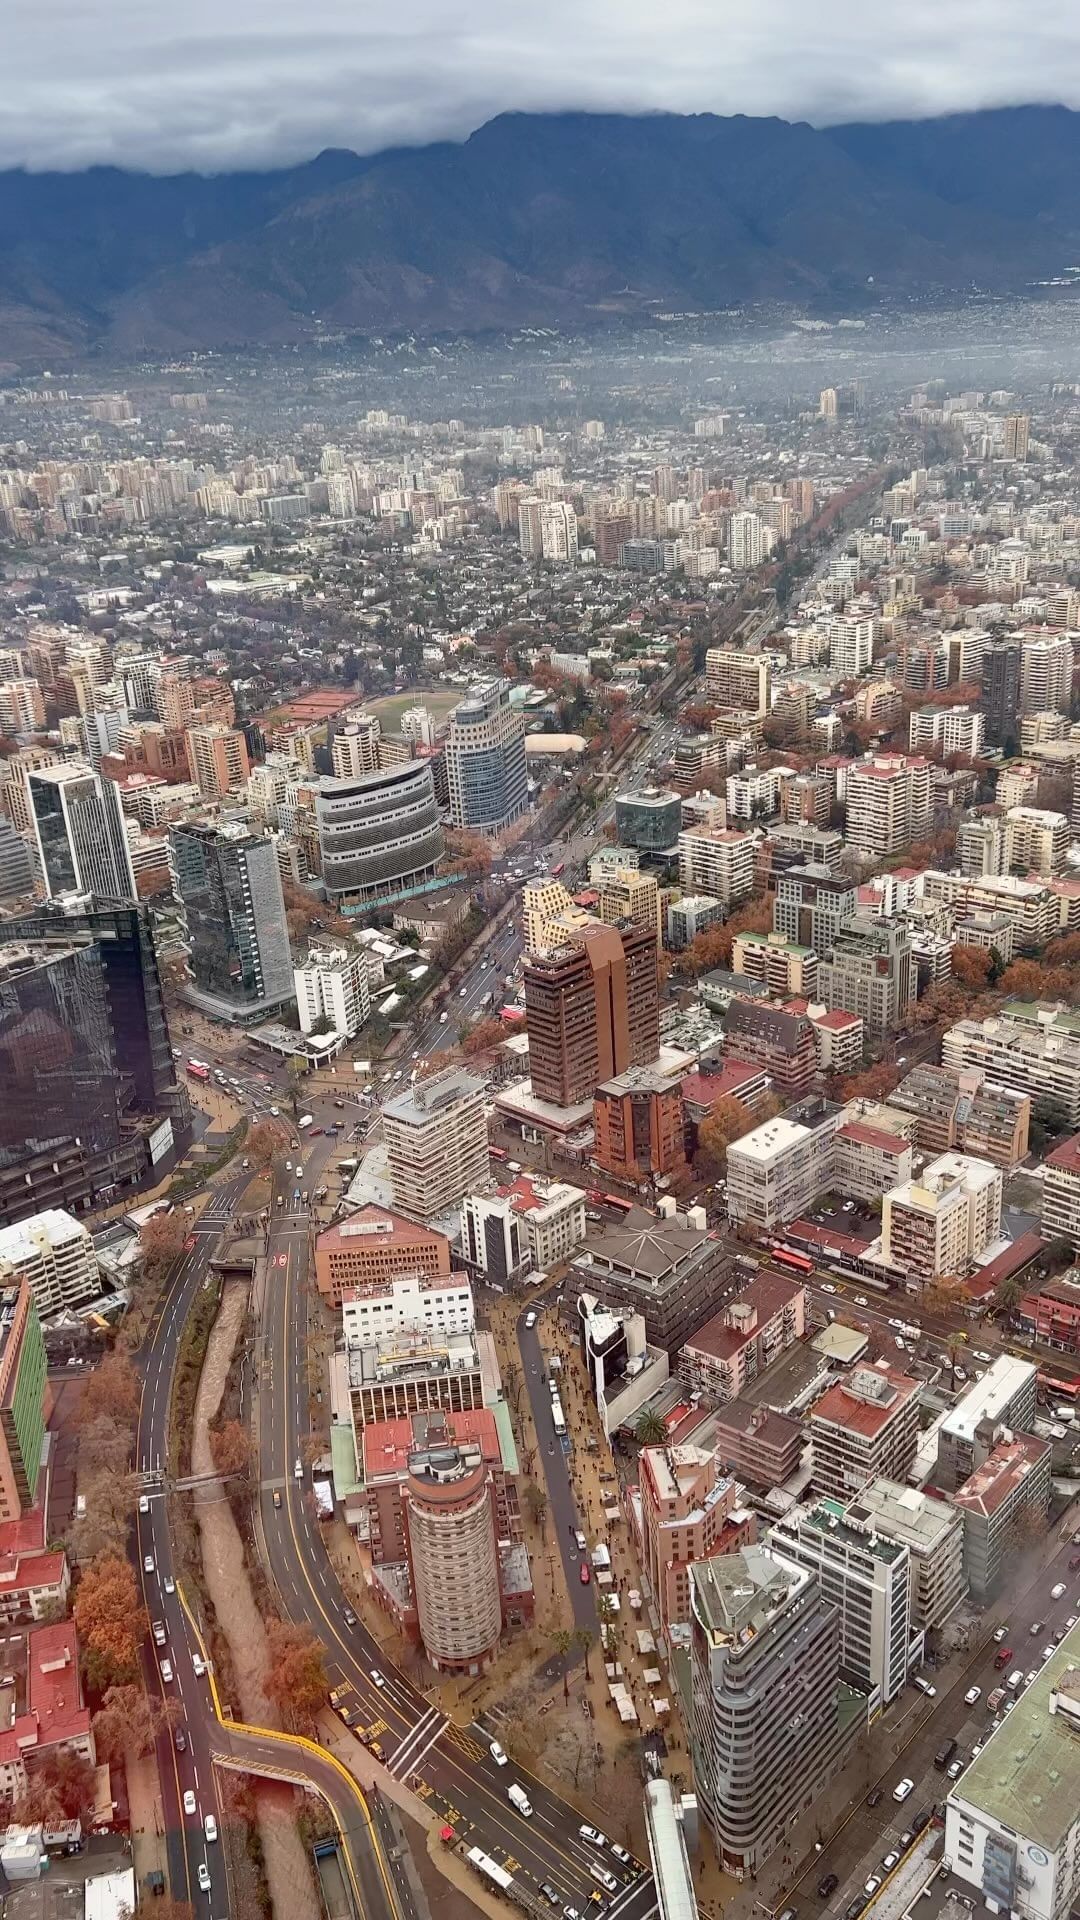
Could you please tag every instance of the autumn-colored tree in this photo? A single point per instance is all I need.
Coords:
(486, 1034)
(713, 948)
(467, 853)
(103, 1528)
(104, 1447)
(110, 1620)
(872, 1083)
(166, 1907)
(61, 1787)
(725, 1123)
(128, 1721)
(263, 1142)
(972, 966)
(230, 1445)
(296, 1674)
(943, 1004)
(1030, 980)
(114, 1390)
(161, 1241)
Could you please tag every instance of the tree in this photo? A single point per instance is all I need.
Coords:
(103, 1528)
(166, 1907)
(563, 1643)
(972, 967)
(486, 1034)
(872, 1083)
(113, 1389)
(296, 1674)
(954, 1347)
(161, 1241)
(128, 1721)
(230, 1445)
(536, 1504)
(651, 1430)
(104, 1447)
(60, 1787)
(585, 1639)
(942, 1297)
(263, 1142)
(111, 1621)
(725, 1123)
(1027, 980)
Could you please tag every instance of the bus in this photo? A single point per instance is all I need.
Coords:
(616, 1202)
(1057, 1388)
(489, 1869)
(558, 1417)
(557, 871)
(497, 1153)
(787, 1257)
(197, 1070)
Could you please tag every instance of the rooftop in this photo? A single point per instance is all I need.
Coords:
(991, 1397)
(736, 1594)
(913, 1517)
(425, 1100)
(866, 1401)
(1009, 1463)
(1025, 1777)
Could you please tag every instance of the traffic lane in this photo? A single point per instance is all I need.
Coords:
(548, 1844)
(562, 1506)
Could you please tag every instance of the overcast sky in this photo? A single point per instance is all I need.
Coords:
(221, 83)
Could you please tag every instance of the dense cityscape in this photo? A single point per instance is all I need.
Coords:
(540, 1131)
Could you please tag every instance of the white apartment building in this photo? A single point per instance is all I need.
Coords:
(355, 748)
(1046, 671)
(1040, 1061)
(754, 792)
(1061, 1191)
(558, 532)
(1036, 840)
(851, 643)
(717, 860)
(939, 1224)
(56, 1255)
(888, 803)
(867, 1577)
(749, 540)
(737, 679)
(435, 1305)
(776, 1171)
(553, 1215)
(437, 1144)
(333, 986)
(933, 1533)
(952, 729)
(1033, 909)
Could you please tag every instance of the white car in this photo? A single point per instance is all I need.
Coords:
(972, 1694)
(498, 1754)
(1058, 1592)
(593, 1835)
(890, 1860)
(166, 1671)
(189, 1801)
(203, 1877)
(198, 1665)
(902, 1789)
(1000, 1634)
(148, 1563)
(210, 1827)
(144, 1503)
(377, 1679)
(169, 1583)
(861, 1300)
(827, 1287)
(871, 1886)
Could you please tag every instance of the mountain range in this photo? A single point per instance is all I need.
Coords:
(545, 219)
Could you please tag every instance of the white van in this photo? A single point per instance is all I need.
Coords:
(518, 1798)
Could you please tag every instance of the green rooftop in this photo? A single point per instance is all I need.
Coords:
(1028, 1774)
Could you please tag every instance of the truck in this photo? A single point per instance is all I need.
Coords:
(519, 1799)
(994, 1700)
(304, 1121)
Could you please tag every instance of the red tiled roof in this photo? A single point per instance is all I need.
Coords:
(53, 1687)
(705, 1089)
(388, 1443)
(872, 1137)
(403, 1230)
(843, 1408)
(836, 1019)
(1067, 1156)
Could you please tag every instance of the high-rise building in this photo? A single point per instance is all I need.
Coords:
(16, 864)
(23, 1389)
(954, 729)
(332, 986)
(1001, 689)
(1006, 1396)
(865, 1426)
(57, 1059)
(373, 1249)
(870, 970)
(229, 889)
(717, 860)
(453, 1552)
(218, 758)
(828, 403)
(938, 1224)
(627, 894)
(933, 1533)
(888, 803)
(593, 1012)
(379, 834)
(485, 759)
(749, 540)
(1016, 436)
(638, 1123)
(777, 1170)
(354, 749)
(54, 1255)
(737, 679)
(851, 644)
(558, 532)
(811, 904)
(79, 827)
(493, 1238)
(1046, 673)
(767, 1732)
(437, 1144)
(867, 1577)
(688, 1512)
(1036, 841)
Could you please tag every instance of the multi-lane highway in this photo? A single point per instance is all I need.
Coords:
(450, 1767)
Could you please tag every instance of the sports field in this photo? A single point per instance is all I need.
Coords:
(394, 705)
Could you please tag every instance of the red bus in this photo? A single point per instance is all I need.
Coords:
(787, 1257)
(196, 1070)
(498, 1153)
(613, 1200)
(556, 871)
(1060, 1389)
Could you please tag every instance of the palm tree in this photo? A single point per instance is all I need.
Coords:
(650, 1430)
(563, 1643)
(586, 1640)
(954, 1347)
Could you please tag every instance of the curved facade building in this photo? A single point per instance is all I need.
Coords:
(454, 1561)
(379, 834)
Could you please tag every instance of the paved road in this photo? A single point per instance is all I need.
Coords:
(449, 1766)
(562, 1508)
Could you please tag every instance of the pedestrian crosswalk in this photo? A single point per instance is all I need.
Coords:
(407, 1757)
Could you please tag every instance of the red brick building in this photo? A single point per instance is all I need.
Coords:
(638, 1124)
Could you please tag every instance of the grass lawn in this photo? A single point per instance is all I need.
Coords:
(394, 705)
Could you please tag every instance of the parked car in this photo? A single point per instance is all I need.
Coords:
(827, 1884)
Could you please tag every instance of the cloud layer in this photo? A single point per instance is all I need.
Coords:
(140, 83)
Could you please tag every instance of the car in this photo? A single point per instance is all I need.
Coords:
(1071, 1622)
(148, 1563)
(593, 1835)
(906, 1839)
(1000, 1634)
(198, 1665)
(298, 1469)
(972, 1694)
(605, 1878)
(189, 1801)
(549, 1893)
(210, 1827)
(202, 1875)
(896, 1325)
(498, 1754)
(180, 1740)
(1031, 1676)
(625, 1859)
(977, 1749)
(903, 1788)
(1047, 1652)
(954, 1769)
(159, 1633)
(144, 1503)
(861, 1300)
(924, 1686)
(872, 1799)
(871, 1886)
(579, 1540)
(890, 1860)
(1035, 1629)
(169, 1583)
(166, 1671)
(827, 1884)
(349, 1617)
(571, 1913)
(855, 1907)
(377, 1679)
(979, 1354)
(584, 1574)
(277, 1496)
(827, 1287)
(1058, 1592)
(1008, 1704)
(1074, 1562)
